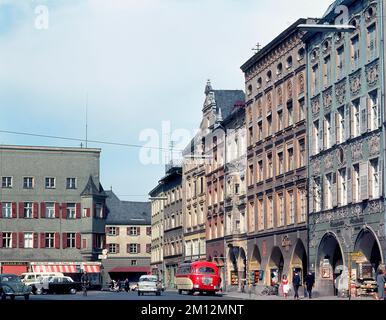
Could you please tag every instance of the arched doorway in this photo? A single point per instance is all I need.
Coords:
(367, 243)
(330, 262)
(275, 267)
(236, 264)
(299, 260)
(255, 266)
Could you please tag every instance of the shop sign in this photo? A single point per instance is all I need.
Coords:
(358, 257)
(286, 243)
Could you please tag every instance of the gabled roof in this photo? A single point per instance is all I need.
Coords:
(92, 190)
(127, 212)
(227, 99)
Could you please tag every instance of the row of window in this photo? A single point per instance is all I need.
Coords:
(285, 117)
(49, 210)
(29, 183)
(350, 121)
(215, 229)
(172, 248)
(50, 240)
(195, 247)
(289, 207)
(285, 160)
(279, 70)
(130, 231)
(360, 182)
(340, 58)
(132, 248)
(195, 187)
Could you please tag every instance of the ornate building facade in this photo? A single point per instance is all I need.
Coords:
(276, 176)
(346, 162)
(235, 198)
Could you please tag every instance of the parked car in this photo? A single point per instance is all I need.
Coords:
(149, 284)
(11, 286)
(59, 285)
(34, 278)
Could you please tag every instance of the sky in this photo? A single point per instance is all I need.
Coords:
(140, 66)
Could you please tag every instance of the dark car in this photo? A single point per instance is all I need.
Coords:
(62, 285)
(11, 286)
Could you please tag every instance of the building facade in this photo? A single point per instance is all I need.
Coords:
(172, 219)
(128, 239)
(194, 201)
(346, 162)
(235, 199)
(276, 176)
(157, 231)
(218, 105)
(52, 210)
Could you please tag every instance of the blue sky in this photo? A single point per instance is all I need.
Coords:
(139, 62)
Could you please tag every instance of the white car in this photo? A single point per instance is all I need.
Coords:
(149, 284)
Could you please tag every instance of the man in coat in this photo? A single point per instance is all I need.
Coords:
(296, 281)
(309, 283)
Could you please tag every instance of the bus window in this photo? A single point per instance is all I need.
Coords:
(206, 270)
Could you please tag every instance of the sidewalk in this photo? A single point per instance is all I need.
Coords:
(252, 296)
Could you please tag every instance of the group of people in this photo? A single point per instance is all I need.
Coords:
(309, 281)
(120, 285)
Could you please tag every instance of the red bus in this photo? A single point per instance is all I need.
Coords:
(199, 276)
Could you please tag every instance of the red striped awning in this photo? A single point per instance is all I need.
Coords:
(55, 268)
(144, 269)
(92, 268)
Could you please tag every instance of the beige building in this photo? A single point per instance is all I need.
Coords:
(128, 238)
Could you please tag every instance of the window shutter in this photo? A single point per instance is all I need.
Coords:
(64, 210)
(94, 240)
(117, 248)
(57, 210)
(107, 230)
(36, 240)
(325, 142)
(36, 210)
(333, 129)
(117, 231)
(128, 231)
(311, 197)
(138, 248)
(42, 210)
(77, 240)
(347, 122)
(334, 191)
(363, 114)
(95, 212)
(78, 211)
(21, 240)
(380, 177)
(138, 231)
(1, 210)
(128, 248)
(379, 108)
(321, 140)
(338, 189)
(364, 179)
(148, 249)
(1, 239)
(64, 240)
(14, 240)
(88, 212)
(349, 185)
(21, 209)
(14, 215)
(352, 117)
(148, 231)
(57, 240)
(42, 240)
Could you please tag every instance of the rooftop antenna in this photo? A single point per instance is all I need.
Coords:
(86, 118)
(257, 49)
(171, 146)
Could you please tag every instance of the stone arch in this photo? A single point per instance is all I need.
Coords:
(330, 262)
(255, 259)
(368, 243)
(275, 266)
(299, 259)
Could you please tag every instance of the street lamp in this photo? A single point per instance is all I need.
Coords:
(326, 27)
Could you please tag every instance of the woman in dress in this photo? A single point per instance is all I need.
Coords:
(285, 286)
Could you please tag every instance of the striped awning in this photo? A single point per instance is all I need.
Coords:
(55, 268)
(92, 268)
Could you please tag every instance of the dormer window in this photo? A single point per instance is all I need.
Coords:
(279, 69)
(269, 76)
(289, 62)
(259, 83)
(301, 54)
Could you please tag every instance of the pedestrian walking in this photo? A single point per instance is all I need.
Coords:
(285, 286)
(309, 284)
(127, 285)
(85, 281)
(381, 285)
(296, 283)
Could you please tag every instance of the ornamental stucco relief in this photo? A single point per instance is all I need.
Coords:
(372, 74)
(289, 89)
(315, 105)
(340, 92)
(374, 145)
(355, 83)
(329, 162)
(356, 151)
(316, 167)
(327, 99)
(301, 82)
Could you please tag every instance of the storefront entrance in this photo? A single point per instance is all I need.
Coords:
(299, 260)
(275, 265)
(255, 273)
(367, 244)
(237, 266)
(330, 264)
